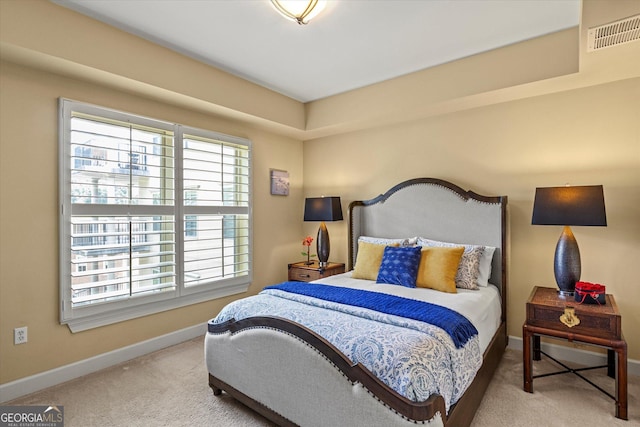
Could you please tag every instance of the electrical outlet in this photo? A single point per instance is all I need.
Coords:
(20, 335)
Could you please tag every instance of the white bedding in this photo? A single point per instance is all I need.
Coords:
(481, 307)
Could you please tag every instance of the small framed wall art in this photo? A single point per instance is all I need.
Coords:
(279, 182)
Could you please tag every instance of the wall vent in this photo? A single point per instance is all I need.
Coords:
(614, 34)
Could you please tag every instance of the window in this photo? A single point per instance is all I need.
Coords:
(154, 215)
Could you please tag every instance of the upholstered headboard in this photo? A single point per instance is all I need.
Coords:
(438, 210)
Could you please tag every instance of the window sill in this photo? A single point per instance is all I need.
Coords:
(123, 314)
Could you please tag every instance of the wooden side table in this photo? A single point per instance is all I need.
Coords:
(598, 325)
(301, 272)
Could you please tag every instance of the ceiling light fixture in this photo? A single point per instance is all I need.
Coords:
(300, 11)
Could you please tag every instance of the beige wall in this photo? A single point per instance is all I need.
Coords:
(580, 127)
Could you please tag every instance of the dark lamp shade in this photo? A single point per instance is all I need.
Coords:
(577, 205)
(322, 209)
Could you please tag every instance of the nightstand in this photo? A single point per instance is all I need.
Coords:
(302, 272)
(551, 315)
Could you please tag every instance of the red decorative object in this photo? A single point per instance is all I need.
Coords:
(590, 293)
(307, 242)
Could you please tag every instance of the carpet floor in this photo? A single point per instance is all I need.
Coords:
(169, 388)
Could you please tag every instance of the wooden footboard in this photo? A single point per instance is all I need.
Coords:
(404, 410)
(422, 411)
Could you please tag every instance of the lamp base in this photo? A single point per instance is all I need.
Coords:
(322, 245)
(566, 263)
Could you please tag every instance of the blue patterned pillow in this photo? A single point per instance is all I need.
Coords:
(400, 266)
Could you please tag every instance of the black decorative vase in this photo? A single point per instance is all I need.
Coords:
(323, 245)
(566, 264)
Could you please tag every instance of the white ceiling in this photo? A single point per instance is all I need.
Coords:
(351, 44)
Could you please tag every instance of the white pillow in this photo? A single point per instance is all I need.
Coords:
(484, 272)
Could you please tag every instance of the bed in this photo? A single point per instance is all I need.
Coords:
(272, 353)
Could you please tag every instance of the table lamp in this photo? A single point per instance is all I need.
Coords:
(566, 206)
(322, 209)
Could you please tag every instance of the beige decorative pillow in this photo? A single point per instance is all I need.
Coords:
(469, 269)
(388, 241)
(438, 268)
(368, 260)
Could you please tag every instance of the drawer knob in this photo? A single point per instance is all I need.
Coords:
(569, 317)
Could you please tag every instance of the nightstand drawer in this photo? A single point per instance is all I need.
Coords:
(302, 272)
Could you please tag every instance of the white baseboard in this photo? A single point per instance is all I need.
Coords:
(33, 383)
(576, 355)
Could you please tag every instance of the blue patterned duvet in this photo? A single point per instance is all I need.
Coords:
(414, 358)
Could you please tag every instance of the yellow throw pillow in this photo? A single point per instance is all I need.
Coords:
(438, 268)
(368, 260)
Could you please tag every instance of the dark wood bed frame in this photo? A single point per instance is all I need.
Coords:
(461, 414)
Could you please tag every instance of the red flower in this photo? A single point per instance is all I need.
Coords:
(307, 242)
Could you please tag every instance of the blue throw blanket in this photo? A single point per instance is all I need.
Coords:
(456, 325)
